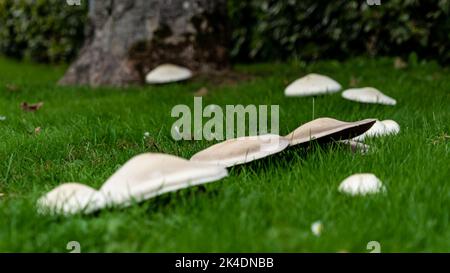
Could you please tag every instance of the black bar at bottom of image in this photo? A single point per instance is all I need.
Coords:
(218, 262)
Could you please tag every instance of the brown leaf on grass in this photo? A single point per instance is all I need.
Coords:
(442, 138)
(201, 92)
(151, 144)
(12, 87)
(399, 63)
(353, 81)
(31, 107)
(37, 130)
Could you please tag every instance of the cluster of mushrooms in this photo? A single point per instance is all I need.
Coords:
(151, 174)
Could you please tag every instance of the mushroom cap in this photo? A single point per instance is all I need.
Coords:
(361, 184)
(167, 73)
(70, 198)
(328, 129)
(368, 95)
(380, 128)
(241, 150)
(151, 174)
(311, 85)
(392, 127)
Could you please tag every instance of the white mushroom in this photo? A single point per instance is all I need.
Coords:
(168, 73)
(241, 150)
(368, 95)
(361, 184)
(70, 198)
(380, 128)
(148, 175)
(312, 85)
(328, 129)
(392, 127)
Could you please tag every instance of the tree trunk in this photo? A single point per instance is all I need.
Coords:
(125, 39)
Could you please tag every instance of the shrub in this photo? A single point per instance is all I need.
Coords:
(52, 31)
(309, 29)
(41, 30)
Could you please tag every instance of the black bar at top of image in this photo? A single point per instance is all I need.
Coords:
(219, 262)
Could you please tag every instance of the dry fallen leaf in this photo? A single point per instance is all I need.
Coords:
(201, 92)
(399, 63)
(442, 138)
(31, 107)
(37, 130)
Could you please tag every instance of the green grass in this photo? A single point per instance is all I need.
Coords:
(268, 205)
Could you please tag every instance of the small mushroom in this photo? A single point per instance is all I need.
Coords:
(392, 127)
(70, 198)
(368, 95)
(361, 184)
(151, 174)
(241, 150)
(168, 73)
(312, 85)
(380, 128)
(328, 129)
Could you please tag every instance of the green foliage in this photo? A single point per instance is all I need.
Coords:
(309, 29)
(41, 30)
(52, 31)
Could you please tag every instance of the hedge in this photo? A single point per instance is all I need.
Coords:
(41, 30)
(50, 31)
(311, 29)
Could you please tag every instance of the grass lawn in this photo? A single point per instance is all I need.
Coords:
(269, 205)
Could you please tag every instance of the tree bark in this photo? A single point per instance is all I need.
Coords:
(125, 39)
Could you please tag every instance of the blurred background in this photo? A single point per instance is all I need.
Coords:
(260, 30)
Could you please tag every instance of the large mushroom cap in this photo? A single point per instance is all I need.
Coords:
(361, 184)
(70, 198)
(312, 85)
(148, 175)
(368, 95)
(241, 150)
(328, 129)
(168, 73)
